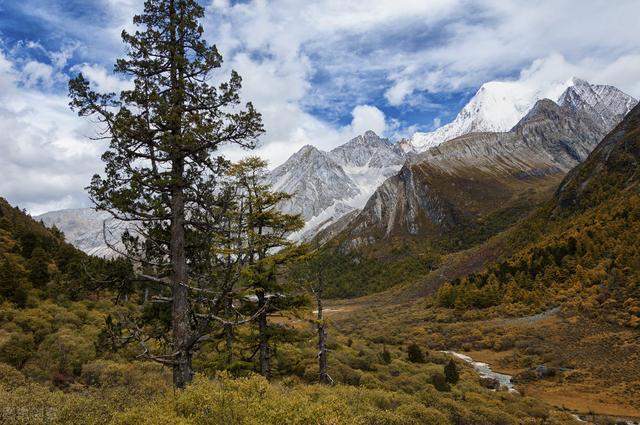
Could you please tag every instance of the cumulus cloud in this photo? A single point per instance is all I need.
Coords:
(102, 81)
(367, 117)
(45, 156)
(507, 36)
(320, 72)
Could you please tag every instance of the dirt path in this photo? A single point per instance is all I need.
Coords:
(528, 320)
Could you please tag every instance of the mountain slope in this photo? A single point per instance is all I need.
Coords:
(581, 247)
(34, 260)
(314, 179)
(453, 198)
(457, 183)
(83, 227)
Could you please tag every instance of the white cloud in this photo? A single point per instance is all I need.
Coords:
(37, 73)
(367, 117)
(509, 35)
(46, 158)
(102, 81)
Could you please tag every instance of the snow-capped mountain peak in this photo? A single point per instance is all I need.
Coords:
(605, 103)
(327, 185)
(496, 106)
(366, 150)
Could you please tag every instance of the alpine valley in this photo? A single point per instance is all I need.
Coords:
(388, 272)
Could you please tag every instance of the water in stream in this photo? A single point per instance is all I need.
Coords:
(484, 370)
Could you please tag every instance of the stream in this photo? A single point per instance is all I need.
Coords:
(484, 370)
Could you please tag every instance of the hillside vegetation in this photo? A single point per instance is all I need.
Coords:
(559, 290)
(583, 251)
(57, 364)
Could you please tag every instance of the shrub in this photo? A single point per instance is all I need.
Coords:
(385, 356)
(451, 372)
(415, 354)
(440, 382)
(17, 350)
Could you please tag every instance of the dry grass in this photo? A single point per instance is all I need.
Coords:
(582, 399)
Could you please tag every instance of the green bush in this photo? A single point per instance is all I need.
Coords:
(451, 372)
(440, 382)
(385, 356)
(415, 354)
(17, 349)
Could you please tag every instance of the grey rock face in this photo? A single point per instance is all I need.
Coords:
(314, 179)
(83, 228)
(605, 105)
(327, 185)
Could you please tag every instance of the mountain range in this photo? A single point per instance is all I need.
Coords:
(458, 183)
(504, 141)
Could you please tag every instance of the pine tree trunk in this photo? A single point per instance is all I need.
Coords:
(265, 355)
(322, 343)
(228, 331)
(182, 372)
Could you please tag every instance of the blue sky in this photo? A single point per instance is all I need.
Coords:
(320, 71)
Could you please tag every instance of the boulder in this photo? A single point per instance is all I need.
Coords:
(490, 383)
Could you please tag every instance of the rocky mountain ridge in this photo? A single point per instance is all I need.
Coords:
(499, 105)
(329, 188)
(327, 185)
(458, 182)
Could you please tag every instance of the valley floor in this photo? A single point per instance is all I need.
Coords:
(595, 364)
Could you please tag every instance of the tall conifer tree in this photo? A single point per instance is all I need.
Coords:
(160, 168)
(267, 246)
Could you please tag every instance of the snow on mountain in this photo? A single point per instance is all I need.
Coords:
(314, 179)
(605, 104)
(497, 106)
(453, 185)
(327, 185)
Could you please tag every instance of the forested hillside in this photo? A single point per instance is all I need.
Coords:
(32, 256)
(583, 249)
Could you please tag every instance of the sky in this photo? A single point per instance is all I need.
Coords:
(320, 72)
